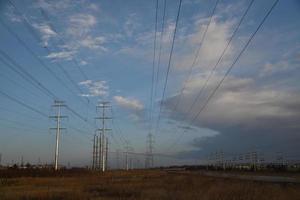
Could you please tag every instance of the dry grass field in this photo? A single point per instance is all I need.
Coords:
(143, 185)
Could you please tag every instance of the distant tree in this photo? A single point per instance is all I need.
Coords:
(28, 165)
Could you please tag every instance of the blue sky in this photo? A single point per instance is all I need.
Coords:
(257, 106)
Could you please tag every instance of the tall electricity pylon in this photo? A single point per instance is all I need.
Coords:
(57, 105)
(102, 135)
(93, 156)
(95, 152)
(118, 159)
(149, 162)
(126, 156)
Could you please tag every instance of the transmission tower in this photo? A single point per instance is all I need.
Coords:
(103, 105)
(149, 162)
(58, 105)
(118, 159)
(95, 152)
(106, 153)
(126, 156)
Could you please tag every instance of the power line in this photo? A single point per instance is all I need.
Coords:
(169, 65)
(117, 128)
(160, 47)
(46, 16)
(221, 57)
(237, 58)
(197, 54)
(23, 104)
(22, 71)
(19, 113)
(152, 85)
(32, 79)
(42, 63)
(153, 65)
(215, 66)
(76, 114)
(22, 129)
(20, 124)
(234, 62)
(17, 84)
(30, 29)
(34, 55)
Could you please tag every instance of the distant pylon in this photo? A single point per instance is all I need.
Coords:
(149, 162)
(118, 159)
(95, 152)
(126, 159)
(58, 105)
(106, 153)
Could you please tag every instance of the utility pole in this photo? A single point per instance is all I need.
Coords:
(118, 159)
(22, 161)
(94, 153)
(149, 155)
(58, 105)
(102, 149)
(126, 156)
(106, 153)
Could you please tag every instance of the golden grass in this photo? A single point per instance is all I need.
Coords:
(145, 185)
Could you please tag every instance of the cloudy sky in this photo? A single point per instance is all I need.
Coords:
(85, 51)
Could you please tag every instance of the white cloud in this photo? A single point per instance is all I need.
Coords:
(129, 103)
(46, 32)
(12, 16)
(79, 30)
(93, 42)
(95, 88)
(63, 55)
(93, 7)
(287, 63)
(239, 101)
(215, 41)
(81, 24)
(130, 25)
(55, 7)
(83, 62)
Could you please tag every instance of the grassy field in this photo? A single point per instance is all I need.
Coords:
(143, 185)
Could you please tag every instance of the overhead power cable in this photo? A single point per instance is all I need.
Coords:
(220, 58)
(26, 75)
(153, 69)
(169, 66)
(197, 54)
(234, 62)
(123, 140)
(33, 81)
(23, 104)
(215, 66)
(46, 16)
(160, 48)
(20, 85)
(33, 33)
(35, 55)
